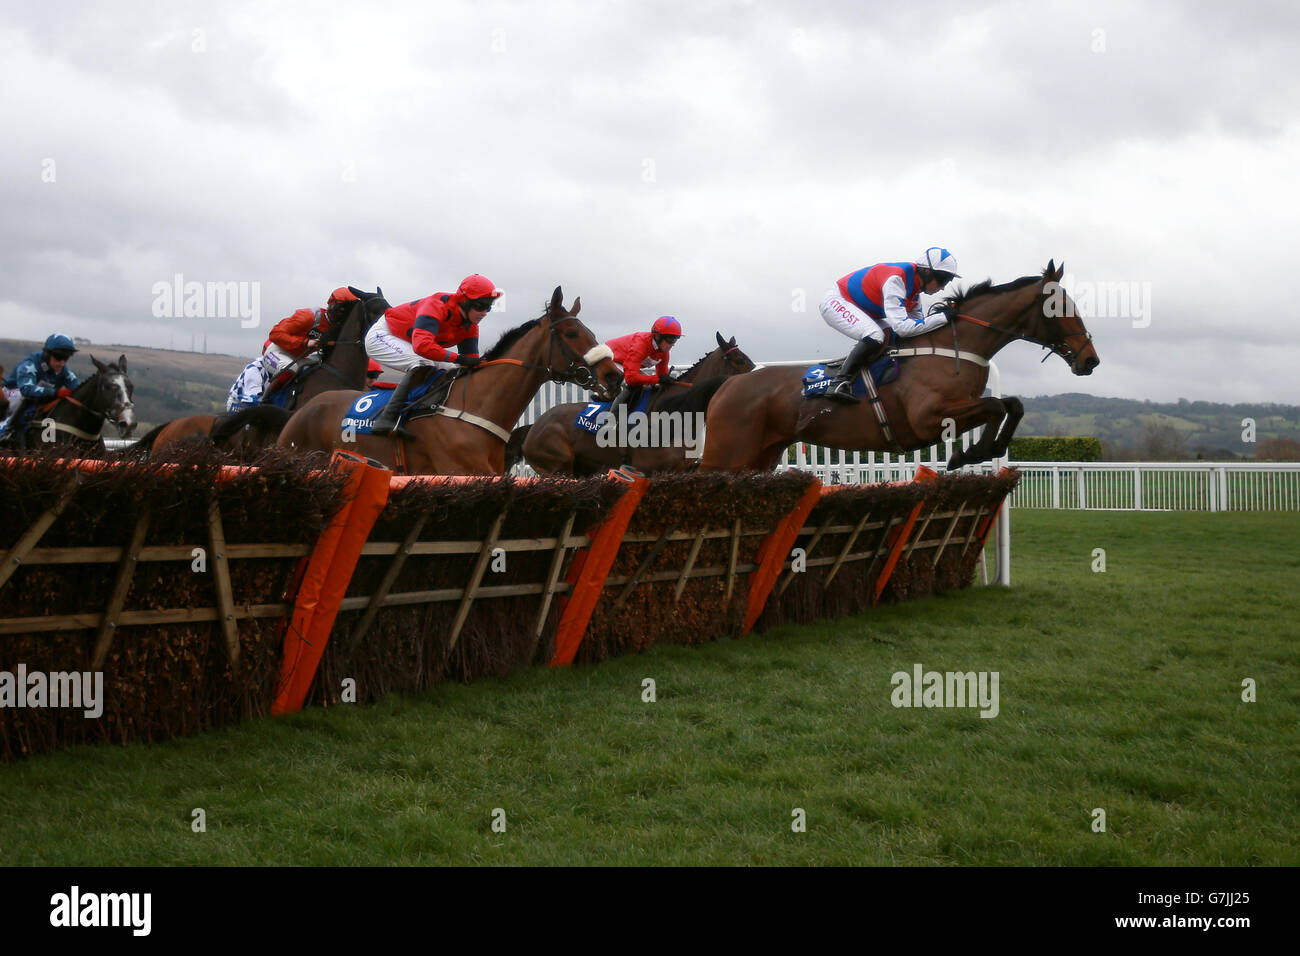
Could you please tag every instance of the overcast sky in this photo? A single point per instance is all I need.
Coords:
(722, 162)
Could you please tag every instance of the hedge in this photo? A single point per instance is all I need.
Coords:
(1055, 448)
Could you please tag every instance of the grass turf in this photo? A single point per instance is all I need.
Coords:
(1119, 690)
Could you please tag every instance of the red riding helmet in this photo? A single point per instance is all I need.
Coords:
(478, 287)
(667, 325)
(374, 368)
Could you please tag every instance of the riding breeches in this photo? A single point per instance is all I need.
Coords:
(393, 351)
(845, 317)
(248, 388)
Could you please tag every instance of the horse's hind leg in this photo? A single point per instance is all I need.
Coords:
(988, 412)
(1015, 412)
(548, 452)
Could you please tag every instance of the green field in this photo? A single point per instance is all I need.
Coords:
(1119, 690)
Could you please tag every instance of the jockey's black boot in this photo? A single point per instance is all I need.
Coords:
(628, 396)
(863, 354)
(386, 423)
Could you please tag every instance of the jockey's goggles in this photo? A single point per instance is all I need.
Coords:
(669, 340)
(483, 305)
(61, 356)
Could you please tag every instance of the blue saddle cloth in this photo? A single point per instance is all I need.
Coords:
(883, 371)
(365, 408)
(589, 418)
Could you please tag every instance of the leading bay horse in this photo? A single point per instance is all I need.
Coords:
(554, 445)
(77, 421)
(755, 417)
(343, 363)
(468, 436)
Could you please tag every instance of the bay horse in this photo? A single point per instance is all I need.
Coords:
(104, 397)
(468, 435)
(554, 445)
(247, 431)
(755, 417)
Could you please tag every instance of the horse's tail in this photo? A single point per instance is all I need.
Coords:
(144, 444)
(515, 446)
(267, 419)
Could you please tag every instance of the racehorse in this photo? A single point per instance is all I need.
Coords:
(554, 445)
(755, 417)
(78, 420)
(245, 432)
(466, 435)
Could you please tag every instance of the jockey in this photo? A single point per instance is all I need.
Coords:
(41, 376)
(884, 293)
(644, 357)
(292, 344)
(417, 337)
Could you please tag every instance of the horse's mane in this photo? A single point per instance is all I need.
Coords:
(509, 338)
(954, 302)
(699, 361)
(695, 399)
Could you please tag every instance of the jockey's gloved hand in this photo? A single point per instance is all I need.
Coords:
(469, 361)
(666, 379)
(64, 393)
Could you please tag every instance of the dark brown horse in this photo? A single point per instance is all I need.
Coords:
(554, 445)
(243, 433)
(754, 418)
(555, 346)
(77, 421)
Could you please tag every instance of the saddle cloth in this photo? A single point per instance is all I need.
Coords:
(818, 378)
(369, 405)
(589, 418)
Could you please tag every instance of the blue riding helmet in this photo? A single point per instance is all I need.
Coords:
(58, 342)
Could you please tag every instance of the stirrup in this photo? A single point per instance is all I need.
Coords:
(841, 391)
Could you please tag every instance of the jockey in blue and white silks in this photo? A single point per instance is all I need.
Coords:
(862, 303)
(38, 378)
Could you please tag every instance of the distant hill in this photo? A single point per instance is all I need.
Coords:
(1131, 429)
(167, 384)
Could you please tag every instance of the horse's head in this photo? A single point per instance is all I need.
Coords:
(735, 361)
(574, 354)
(1062, 329)
(112, 395)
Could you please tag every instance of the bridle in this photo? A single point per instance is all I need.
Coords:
(88, 412)
(1061, 346)
(578, 371)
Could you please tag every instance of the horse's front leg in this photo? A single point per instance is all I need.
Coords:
(988, 412)
(1015, 412)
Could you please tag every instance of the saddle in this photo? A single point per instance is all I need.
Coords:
(423, 400)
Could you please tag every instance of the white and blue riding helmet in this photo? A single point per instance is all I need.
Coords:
(938, 259)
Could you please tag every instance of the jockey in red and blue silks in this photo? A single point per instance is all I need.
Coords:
(644, 357)
(887, 293)
(417, 337)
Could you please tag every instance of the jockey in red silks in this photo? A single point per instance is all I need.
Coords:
(644, 357)
(417, 338)
(373, 371)
(884, 293)
(291, 346)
